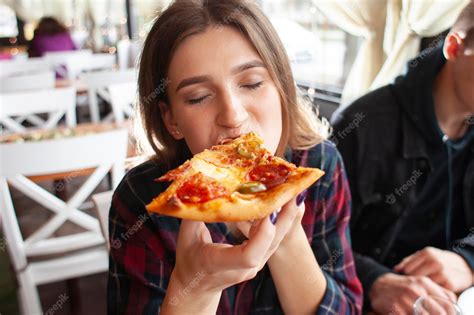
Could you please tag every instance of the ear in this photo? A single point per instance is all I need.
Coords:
(453, 46)
(169, 121)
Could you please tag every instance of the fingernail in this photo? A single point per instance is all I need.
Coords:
(273, 217)
(301, 197)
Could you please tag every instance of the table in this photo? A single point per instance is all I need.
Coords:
(79, 84)
(133, 158)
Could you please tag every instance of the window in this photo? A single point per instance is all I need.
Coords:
(321, 54)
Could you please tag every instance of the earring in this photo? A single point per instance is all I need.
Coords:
(177, 133)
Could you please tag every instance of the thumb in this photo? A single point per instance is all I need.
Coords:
(193, 231)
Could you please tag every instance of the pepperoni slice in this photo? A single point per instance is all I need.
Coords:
(270, 174)
(199, 189)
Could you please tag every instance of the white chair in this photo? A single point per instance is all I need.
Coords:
(59, 59)
(21, 106)
(28, 81)
(82, 253)
(102, 202)
(97, 84)
(77, 65)
(122, 100)
(16, 67)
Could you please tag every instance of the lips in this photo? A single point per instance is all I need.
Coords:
(225, 140)
(229, 136)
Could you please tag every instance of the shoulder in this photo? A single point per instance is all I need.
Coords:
(373, 105)
(139, 183)
(324, 156)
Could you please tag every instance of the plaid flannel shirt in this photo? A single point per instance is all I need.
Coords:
(143, 245)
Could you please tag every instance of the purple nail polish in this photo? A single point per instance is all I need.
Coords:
(301, 197)
(273, 217)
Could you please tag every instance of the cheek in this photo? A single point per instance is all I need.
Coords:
(270, 117)
(195, 125)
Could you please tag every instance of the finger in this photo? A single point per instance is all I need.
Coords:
(436, 290)
(401, 265)
(433, 306)
(442, 279)
(244, 227)
(418, 261)
(286, 217)
(428, 268)
(192, 231)
(451, 295)
(412, 306)
(249, 254)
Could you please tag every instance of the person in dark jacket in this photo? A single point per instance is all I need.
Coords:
(409, 152)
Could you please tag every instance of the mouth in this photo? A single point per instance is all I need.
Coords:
(226, 140)
(232, 135)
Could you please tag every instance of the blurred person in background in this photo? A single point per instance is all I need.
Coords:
(50, 35)
(410, 164)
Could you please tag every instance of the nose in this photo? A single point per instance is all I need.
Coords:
(232, 111)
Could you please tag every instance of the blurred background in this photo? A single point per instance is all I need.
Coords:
(338, 50)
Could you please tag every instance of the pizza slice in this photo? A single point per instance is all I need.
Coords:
(238, 180)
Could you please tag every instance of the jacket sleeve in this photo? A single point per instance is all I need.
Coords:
(345, 137)
(465, 248)
(139, 264)
(331, 244)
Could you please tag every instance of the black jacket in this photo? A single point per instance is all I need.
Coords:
(385, 141)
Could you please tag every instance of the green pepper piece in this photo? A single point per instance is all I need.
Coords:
(251, 188)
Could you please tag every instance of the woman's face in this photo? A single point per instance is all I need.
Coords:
(219, 89)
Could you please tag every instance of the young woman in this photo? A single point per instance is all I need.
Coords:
(212, 70)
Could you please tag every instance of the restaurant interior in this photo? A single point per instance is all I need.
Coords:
(69, 131)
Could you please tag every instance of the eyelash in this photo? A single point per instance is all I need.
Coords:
(253, 86)
(197, 100)
(248, 86)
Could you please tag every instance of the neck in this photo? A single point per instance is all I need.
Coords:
(450, 110)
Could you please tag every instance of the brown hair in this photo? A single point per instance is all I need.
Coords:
(301, 127)
(50, 26)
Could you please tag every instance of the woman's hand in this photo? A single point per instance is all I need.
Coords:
(298, 279)
(287, 224)
(203, 268)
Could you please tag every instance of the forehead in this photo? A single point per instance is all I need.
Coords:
(217, 48)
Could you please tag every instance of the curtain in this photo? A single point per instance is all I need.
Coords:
(33, 10)
(364, 18)
(404, 30)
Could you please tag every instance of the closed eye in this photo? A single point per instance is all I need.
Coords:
(197, 100)
(253, 86)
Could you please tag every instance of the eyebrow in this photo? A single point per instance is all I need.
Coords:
(248, 65)
(205, 78)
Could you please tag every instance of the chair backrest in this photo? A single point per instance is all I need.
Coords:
(77, 65)
(98, 82)
(122, 99)
(28, 81)
(20, 106)
(102, 202)
(59, 59)
(104, 152)
(18, 67)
